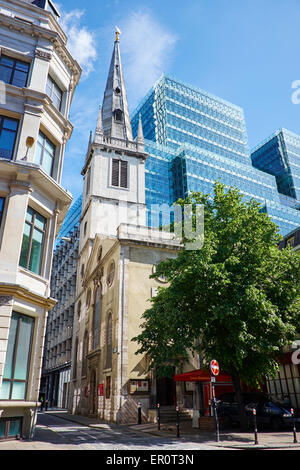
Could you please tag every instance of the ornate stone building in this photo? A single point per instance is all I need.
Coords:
(38, 78)
(55, 381)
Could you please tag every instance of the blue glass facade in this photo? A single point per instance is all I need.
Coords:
(280, 156)
(71, 221)
(194, 139)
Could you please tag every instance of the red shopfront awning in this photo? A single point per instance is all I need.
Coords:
(201, 375)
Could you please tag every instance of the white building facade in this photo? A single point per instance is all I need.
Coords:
(38, 78)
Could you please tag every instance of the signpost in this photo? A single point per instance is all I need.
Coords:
(214, 371)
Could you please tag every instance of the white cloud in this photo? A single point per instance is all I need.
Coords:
(146, 48)
(81, 42)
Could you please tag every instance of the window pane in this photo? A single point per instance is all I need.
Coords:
(18, 392)
(22, 66)
(4, 392)
(7, 61)
(47, 162)
(10, 348)
(7, 141)
(40, 221)
(2, 429)
(25, 246)
(5, 74)
(23, 349)
(41, 138)
(14, 427)
(49, 147)
(36, 251)
(38, 157)
(56, 101)
(1, 207)
(29, 214)
(11, 124)
(19, 78)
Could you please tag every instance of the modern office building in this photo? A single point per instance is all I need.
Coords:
(279, 155)
(55, 381)
(194, 138)
(38, 78)
(285, 386)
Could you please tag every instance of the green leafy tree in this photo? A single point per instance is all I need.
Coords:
(235, 300)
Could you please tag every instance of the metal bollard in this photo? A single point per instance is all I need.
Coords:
(158, 416)
(294, 426)
(255, 426)
(217, 431)
(177, 421)
(139, 413)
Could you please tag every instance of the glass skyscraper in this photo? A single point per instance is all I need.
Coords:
(194, 138)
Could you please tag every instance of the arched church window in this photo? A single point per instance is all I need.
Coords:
(85, 350)
(118, 115)
(97, 318)
(109, 331)
(111, 274)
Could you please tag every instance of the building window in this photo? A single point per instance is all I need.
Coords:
(82, 271)
(14, 71)
(33, 241)
(45, 153)
(107, 388)
(1, 208)
(108, 363)
(79, 309)
(8, 132)
(88, 298)
(17, 361)
(54, 92)
(75, 359)
(85, 350)
(111, 274)
(10, 428)
(291, 242)
(97, 318)
(119, 176)
(118, 115)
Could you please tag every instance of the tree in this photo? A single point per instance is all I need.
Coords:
(236, 299)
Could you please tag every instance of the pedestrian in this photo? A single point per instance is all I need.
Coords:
(42, 402)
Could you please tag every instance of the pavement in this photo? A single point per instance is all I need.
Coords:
(227, 439)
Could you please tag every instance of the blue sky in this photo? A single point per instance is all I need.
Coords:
(244, 51)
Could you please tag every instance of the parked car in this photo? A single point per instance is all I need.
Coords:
(268, 412)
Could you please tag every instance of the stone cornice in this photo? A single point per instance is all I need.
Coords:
(43, 103)
(21, 293)
(38, 32)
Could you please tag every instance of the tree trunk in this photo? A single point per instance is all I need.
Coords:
(240, 400)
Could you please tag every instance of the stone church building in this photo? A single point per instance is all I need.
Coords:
(117, 255)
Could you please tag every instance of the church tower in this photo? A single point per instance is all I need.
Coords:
(114, 168)
(117, 256)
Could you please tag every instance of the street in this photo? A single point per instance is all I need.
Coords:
(57, 430)
(55, 433)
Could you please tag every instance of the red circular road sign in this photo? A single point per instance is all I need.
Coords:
(214, 367)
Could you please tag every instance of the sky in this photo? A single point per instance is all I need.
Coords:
(244, 51)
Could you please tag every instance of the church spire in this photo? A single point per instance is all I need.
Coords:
(115, 114)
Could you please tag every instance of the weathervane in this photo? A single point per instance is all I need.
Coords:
(118, 32)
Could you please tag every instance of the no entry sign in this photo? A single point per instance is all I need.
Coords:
(214, 367)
